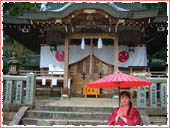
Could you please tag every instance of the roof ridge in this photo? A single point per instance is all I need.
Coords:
(117, 7)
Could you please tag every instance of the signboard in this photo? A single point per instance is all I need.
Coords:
(163, 94)
(30, 85)
(19, 92)
(8, 94)
(141, 97)
(153, 95)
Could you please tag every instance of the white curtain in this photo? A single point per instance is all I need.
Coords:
(48, 57)
(136, 58)
(105, 54)
(76, 53)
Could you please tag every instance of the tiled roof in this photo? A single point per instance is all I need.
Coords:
(119, 6)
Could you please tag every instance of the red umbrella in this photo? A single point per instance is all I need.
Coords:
(119, 80)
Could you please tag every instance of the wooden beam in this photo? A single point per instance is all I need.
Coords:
(66, 54)
(92, 35)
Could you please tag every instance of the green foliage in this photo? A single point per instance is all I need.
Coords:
(162, 54)
(161, 5)
(9, 45)
(17, 8)
(22, 53)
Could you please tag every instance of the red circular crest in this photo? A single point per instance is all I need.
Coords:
(60, 56)
(123, 56)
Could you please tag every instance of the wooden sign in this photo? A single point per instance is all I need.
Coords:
(89, 11)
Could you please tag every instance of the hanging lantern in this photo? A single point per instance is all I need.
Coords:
(82, 43)
(100, 43)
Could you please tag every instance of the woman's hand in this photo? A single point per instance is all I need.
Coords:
(119, 114)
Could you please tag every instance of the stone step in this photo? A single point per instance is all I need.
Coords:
(74, 109)
(159, 123)
(52, 122)
(67, 115)
(154, 111)
(71, 115)
(158, 119)
(6, 122)
(150, 111)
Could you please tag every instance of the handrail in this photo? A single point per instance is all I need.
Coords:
(61, 73)
(42, 73)
(18, 82)
(18, 116)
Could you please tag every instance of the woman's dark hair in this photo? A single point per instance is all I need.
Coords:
(126, 93)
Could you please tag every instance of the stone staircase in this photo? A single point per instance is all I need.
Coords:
(61, 115)
(65, 115)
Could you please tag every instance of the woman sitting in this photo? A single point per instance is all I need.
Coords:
(126, 114)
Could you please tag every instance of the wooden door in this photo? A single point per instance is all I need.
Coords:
(100, 70)
(80, 73)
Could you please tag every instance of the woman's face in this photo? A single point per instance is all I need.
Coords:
(124, 100)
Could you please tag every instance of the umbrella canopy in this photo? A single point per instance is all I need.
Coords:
(117, 80)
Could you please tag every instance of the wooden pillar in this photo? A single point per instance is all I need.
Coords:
(66, 54)
(91, 60)
(116, 54)
(131, 70)
(115, 91)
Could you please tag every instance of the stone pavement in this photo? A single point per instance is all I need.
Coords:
(78, 101)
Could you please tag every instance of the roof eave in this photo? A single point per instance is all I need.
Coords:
(15, 20)
(145, 14)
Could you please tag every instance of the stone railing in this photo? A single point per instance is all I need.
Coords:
(153, 100)
(14, 89)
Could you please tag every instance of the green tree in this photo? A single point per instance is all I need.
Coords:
(9, 45)
(162, 6)
(17, 8)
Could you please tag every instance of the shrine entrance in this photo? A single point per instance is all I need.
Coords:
(90, 68)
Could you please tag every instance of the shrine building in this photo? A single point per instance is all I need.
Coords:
(79, 43)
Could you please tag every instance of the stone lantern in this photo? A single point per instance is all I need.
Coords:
(13, 64)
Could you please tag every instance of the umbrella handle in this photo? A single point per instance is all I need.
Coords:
(119, 94)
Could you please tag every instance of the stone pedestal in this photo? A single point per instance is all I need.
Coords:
(115, 93)
(65, 97)
(13, 64)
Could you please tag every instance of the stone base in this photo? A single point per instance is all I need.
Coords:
(13, 73)
(64, 96)
(116, 97)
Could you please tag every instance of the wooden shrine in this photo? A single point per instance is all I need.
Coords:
(67, 23)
